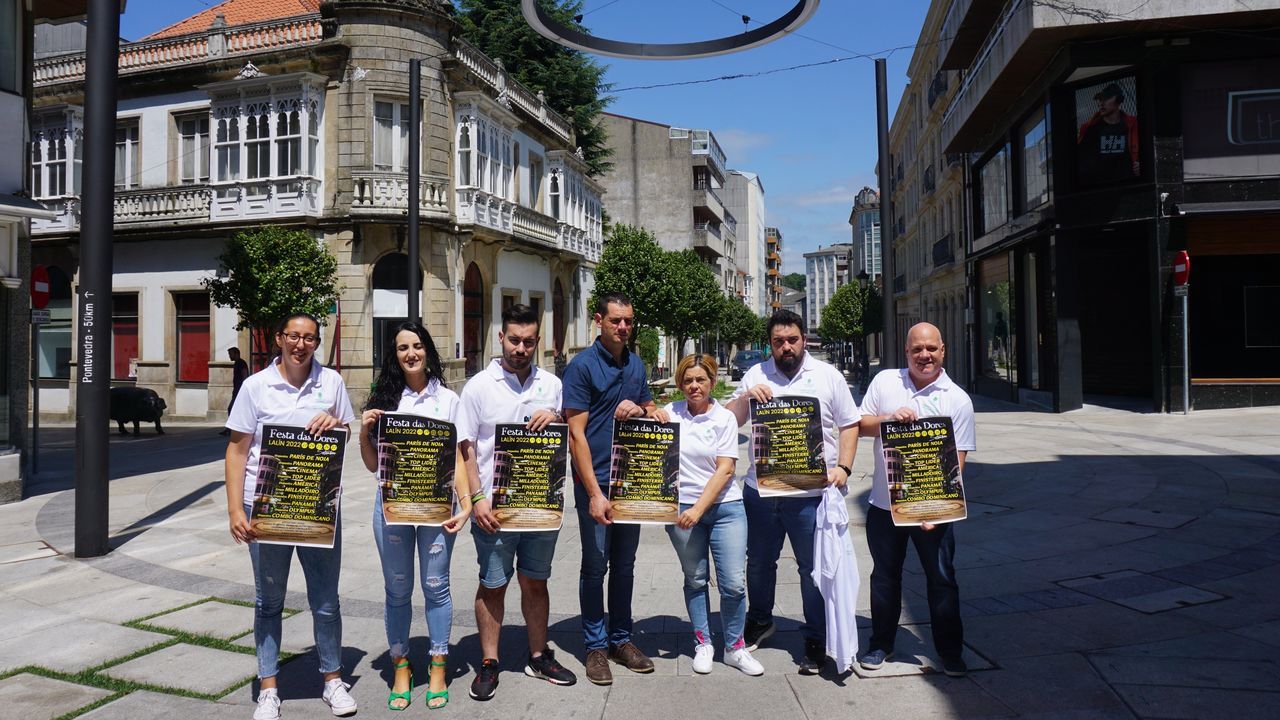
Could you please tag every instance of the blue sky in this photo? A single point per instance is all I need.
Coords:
(809, 133)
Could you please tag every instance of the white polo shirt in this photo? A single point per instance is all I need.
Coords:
(893, 389)
(267, 398)
(814, 379)
(435, 401)
(496, 396)
(704, 439)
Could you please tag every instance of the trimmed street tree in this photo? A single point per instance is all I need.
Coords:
(854, 311)
(738, 325)
(696, 301)
(572, 81)
(633, 264)
(271, 273)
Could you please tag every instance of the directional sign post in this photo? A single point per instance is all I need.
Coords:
(1181, 279)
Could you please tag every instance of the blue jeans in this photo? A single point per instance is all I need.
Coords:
(611, 549)
(769, 519)
(270, 581)
(396, 544)
(722, 529)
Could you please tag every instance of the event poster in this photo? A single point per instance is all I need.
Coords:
(529, 469)
(417, 459)
(787, 447)
(644, 473)
(299, 485)
(923, 470)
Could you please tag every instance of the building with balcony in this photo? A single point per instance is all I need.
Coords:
(773, 267)
(240, 116)
(669, 180)
(826, 270)
(928, 201)
(744, 198)
(864, 220)
(1100, 141)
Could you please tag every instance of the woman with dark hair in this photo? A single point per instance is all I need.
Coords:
(411, 380)
(295, 389)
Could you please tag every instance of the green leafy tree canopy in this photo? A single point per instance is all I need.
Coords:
(632, 263)
(572, 81)
(271, 273)
(854, 311)
(795, 281)
(739, 325)
(696, 299)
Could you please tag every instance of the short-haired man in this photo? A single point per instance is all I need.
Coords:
(922, 389)
(511, 390)
(603, 383)
(239, 371)
(790, 370)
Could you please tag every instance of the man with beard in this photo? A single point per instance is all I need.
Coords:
(792, 371)
(603, 383)
(922, 389)
(510, 390)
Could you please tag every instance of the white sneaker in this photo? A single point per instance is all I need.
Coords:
(268, 705)
(702, 657)
(742, 660)
(338, 699)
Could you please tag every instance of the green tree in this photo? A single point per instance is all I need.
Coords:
(854, 311)
(647, 342)
(270, 273)
(738, 325)
(695, 296)
(572, 82)
(633, 264)
(795, 281)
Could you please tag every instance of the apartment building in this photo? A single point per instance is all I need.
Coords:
(773, 267)
(244, 115)
(744, 199)
(826, 270)
(864, 221)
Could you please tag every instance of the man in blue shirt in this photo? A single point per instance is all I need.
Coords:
(603, 383)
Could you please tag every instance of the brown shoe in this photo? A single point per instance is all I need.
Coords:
(631, 657)
(598, 670)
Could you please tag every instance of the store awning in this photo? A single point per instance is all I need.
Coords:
(14, 207)
(1228, 208)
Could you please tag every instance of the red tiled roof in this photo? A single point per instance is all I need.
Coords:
(239, 12)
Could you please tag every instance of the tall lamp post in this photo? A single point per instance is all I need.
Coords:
(864, 361)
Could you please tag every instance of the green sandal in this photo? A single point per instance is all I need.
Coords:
(435, 695)
(406, 696)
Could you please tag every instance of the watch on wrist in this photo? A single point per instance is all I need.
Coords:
(848, 471)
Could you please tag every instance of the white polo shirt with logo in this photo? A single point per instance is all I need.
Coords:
(893, 389)
(703, 440)
(496, 396)
(267, 398)
(814, 379)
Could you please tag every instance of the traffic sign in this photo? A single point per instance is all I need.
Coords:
(1180, 290)
(1181, 268)
(39, 287)
(40, 317)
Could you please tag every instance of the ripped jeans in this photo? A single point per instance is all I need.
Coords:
(396, 545)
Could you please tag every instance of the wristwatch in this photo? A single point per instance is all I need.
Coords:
(848, 471)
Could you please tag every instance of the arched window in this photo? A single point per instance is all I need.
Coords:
(390, 285)
(464, 155)
(553, 195)
(557, 316)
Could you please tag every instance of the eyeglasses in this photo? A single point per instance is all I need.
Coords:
(296, 338)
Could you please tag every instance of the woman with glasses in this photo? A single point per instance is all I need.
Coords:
(411, 381)
(293, 390)
(712, 519)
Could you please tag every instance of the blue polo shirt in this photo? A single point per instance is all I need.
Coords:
(596, 383)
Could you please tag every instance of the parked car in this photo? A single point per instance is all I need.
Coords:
(743, 361)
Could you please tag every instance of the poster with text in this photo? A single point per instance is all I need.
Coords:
(786, 446)
(644, 472)
(923, 470)
(299, 485)
(529, 469)
(417, 459)
(1107, 132)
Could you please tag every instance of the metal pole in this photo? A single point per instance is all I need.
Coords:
(415, 180)
(93, 293)
(890, 350)
(35, 400)
(1186, 361)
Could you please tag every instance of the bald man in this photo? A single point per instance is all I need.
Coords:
(922, 389)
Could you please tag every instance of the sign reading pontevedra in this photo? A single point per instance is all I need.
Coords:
(417, 459)
(644, 472)
(529, 469)
(299, 485)
(923, 470)
(786, 442)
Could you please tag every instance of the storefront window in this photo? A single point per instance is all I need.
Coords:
(192, 336)
(993, 191)
(124, 335)
(998, 335)
(53, 341)
(1035, 162)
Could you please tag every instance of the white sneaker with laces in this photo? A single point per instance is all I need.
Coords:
(268, 705)
(742, 660)
(338, 699)
(702, 657)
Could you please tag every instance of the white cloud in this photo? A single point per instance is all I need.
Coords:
(737, 144)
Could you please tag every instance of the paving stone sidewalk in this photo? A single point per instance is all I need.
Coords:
(1114, 565)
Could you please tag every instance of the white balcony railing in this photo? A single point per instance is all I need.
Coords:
(478, 207)
(496, 77)
(170, 204)
(266, 198)
(380, 192)
(533, 225)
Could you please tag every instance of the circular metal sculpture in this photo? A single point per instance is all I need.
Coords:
(553, 29)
